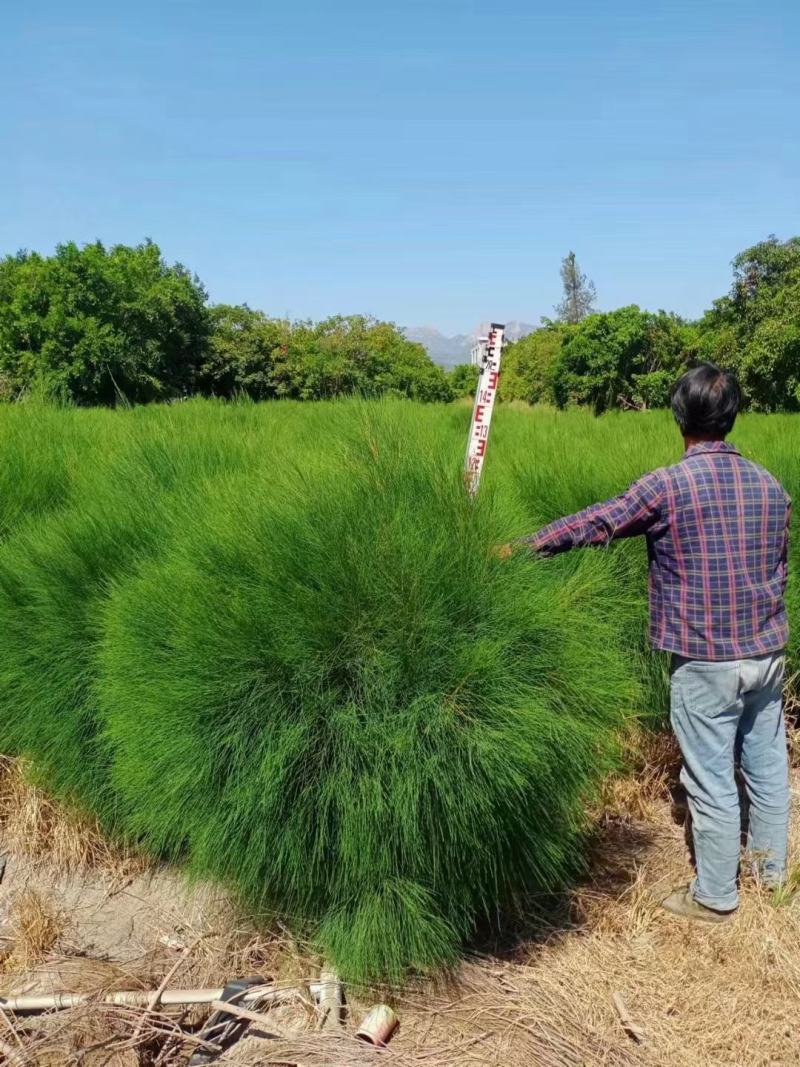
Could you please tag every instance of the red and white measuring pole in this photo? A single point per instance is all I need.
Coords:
(487, 355)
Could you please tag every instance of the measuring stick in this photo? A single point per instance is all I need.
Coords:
(491, 352)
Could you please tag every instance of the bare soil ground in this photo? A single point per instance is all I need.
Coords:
(614, 981)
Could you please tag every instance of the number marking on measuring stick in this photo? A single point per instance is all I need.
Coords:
(491, 352)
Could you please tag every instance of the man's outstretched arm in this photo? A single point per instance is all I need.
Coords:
(636, 511)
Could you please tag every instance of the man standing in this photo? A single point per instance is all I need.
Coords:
(717, 529)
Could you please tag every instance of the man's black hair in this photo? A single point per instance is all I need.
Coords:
(705, 401)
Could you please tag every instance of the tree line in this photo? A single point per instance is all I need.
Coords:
(628, 358)
(97, 325)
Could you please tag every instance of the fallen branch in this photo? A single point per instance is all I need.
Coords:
(156, 996)
(241, 1013)
(632, 1029)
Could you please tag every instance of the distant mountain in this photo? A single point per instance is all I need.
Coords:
(442, 349)
(449, 351)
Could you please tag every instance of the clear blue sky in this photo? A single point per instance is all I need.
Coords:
(427, 161)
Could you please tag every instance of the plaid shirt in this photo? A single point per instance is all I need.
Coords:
(717, 529)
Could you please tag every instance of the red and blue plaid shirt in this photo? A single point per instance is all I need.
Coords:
(717, 529)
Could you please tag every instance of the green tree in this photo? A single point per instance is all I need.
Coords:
(463, 379)
(579, 292)
(622, 358)
(755, 329)
(355, 353)
(93, 324)
(529, 365)
(242, 349)
(263, 357)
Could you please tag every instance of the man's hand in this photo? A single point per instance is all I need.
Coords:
(503, 551)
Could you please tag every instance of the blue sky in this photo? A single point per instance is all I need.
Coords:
(426, 162)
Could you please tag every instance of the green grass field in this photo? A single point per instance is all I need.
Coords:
(270, 643)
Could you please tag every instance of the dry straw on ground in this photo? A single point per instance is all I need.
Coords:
(33, 826)
(615, 982)
(35, 926)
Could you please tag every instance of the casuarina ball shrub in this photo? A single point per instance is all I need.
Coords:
(111, 501)
(325, 691)
(41, 448)
(272, 643)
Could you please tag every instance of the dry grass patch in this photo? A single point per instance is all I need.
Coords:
(35, 926)
(709, 997)
(654, 760)
(724, 996)
(39, 829)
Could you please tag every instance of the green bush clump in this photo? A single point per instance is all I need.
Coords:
(42, 448)
(326, 693)
(271, 643)
(126, 482)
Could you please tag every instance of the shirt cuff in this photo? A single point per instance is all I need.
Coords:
(530, 543)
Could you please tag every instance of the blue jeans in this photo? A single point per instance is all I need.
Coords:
(718, 709)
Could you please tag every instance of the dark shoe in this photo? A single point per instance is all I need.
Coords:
(683, 904)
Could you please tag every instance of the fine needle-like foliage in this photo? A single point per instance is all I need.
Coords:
(272, 643)
(327, 693)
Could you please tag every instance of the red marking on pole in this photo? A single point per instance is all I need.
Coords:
(488, 356)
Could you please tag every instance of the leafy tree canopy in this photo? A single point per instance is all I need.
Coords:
(95, 325)
(250, 353)
(755, 329)
(92, 323)
(622, 358)
(463, 379)
(530, 363)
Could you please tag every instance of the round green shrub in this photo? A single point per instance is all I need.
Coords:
(325, 691)
(112, 506)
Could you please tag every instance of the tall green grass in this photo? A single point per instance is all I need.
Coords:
(271, 643)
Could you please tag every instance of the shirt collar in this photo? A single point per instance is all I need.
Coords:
(711, 446)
